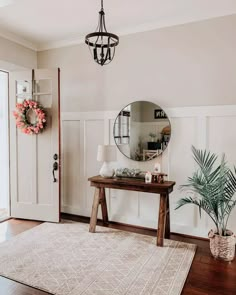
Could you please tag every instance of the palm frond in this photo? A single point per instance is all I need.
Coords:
(214, 187)
(204, 159)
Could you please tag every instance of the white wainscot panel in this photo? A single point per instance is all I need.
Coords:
(111, 131)
(123, 206)
(131, 207)
(148, 209)
(72, 197)
(222, 139)
(93, 136)
(200, 126)
(184, 135)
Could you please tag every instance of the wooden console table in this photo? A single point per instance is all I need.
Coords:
(131, 184)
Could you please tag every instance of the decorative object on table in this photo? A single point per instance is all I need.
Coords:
(215, 185)
(30, 117)
(158, 177)
(157, 167)
(148, 177)
(106, 154)
(137, 133)
(129, 173)
(101, 43)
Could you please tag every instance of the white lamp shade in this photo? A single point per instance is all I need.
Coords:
(106, 153)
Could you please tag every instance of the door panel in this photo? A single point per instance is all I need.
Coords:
(34, 195)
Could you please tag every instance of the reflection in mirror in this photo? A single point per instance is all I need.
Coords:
(142, 131)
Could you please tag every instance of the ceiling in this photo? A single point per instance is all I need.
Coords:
(44, 24)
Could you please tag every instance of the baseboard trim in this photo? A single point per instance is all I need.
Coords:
(128, 227)
(5, 219)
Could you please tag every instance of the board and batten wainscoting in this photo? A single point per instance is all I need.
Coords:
(210, 127)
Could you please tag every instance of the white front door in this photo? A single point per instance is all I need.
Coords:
(34, 194)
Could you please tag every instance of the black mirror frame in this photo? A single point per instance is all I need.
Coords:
(142, 161)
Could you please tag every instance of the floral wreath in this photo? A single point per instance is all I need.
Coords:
(22, 121)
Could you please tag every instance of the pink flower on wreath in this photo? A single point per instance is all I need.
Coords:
(19, 105)
(28, 131)
(19, 124)
(15, 114)
(36, 130)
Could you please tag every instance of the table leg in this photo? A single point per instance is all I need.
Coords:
(161, 220)
(167, 227)
(103, 203)
(93, 219)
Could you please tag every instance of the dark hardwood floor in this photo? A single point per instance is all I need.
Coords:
(206, 276)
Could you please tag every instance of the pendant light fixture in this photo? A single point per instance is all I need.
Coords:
(101, 43)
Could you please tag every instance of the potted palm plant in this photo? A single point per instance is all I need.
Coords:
(213, 188)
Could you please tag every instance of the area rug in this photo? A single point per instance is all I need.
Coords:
(65, 259)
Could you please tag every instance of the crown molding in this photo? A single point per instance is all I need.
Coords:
(17, 39)
(131, 30)
(78, 39)
(61, 43)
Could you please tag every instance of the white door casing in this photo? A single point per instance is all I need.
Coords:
(4, 140)
(34, 195)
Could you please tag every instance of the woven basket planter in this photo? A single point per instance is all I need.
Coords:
(222, 247)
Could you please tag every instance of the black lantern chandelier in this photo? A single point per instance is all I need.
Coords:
(101, 43)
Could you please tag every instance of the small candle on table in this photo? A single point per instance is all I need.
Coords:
(157, 167)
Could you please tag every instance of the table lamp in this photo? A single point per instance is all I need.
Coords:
(106, 154)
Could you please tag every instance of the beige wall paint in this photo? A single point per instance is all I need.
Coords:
(15, 57)
(186, 65)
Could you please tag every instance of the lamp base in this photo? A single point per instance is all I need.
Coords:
(106, 171)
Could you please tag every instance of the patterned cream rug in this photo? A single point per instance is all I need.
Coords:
(65, 259)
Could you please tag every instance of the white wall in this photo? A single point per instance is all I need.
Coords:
(186, 65)
(15, 57)
(205, 127)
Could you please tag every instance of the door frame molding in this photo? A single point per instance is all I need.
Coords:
(8, 143)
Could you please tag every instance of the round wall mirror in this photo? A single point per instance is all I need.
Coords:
(142, 131)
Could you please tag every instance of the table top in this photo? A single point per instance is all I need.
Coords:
(134, 184)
